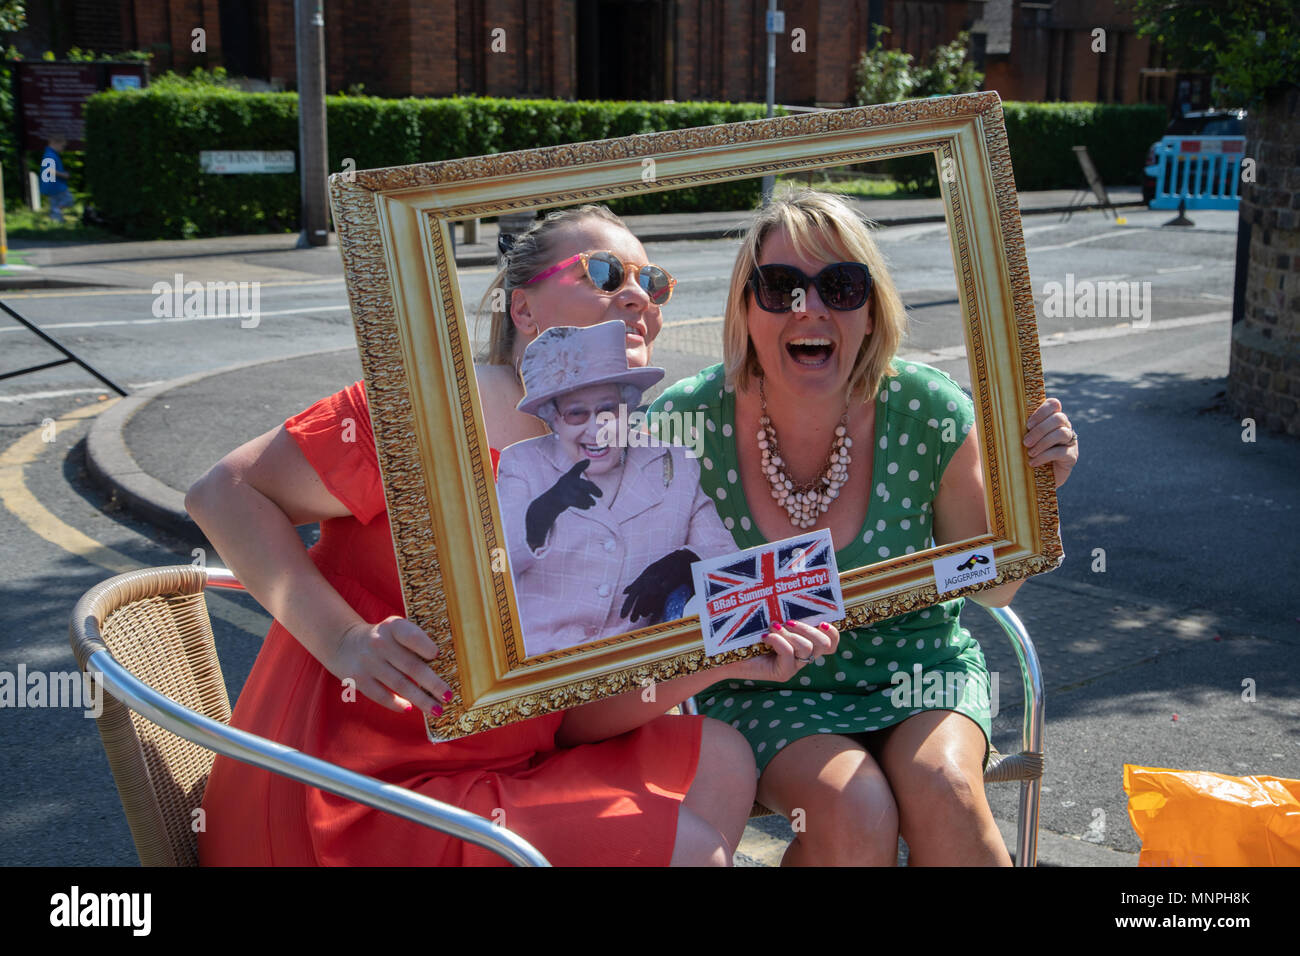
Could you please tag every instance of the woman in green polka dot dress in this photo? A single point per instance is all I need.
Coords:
(810, 386)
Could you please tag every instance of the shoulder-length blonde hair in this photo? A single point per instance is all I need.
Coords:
(821, 227)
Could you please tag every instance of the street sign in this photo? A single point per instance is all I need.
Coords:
(235, 161)
(776, 21)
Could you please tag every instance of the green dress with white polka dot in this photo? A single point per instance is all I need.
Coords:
(884, 673)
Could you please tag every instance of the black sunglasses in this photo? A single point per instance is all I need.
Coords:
(843, 286)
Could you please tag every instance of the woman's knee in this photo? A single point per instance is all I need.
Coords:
(943, 781)
(861, 817)
(698, 842)
(725, 778)
(844, 812)
(726, 754)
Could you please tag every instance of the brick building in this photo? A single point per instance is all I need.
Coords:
(622, 49)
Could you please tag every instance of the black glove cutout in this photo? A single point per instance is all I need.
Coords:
(571, 491)
(647, 594)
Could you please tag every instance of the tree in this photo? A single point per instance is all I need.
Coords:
(1251, 48)
(885, 76)
(13, 15)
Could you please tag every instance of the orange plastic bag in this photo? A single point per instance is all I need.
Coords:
(1197, 818)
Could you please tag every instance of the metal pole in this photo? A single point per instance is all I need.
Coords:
(769, 182)
(313, 154)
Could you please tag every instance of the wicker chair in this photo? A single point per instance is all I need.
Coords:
(1025, 766)
(146, 636)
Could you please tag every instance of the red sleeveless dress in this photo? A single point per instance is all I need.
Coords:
(609, 803)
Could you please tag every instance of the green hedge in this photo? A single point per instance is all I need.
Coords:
(142, 156)
(1041, 136)
(142, 153)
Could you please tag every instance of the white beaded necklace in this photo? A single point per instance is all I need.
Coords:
(806, 502)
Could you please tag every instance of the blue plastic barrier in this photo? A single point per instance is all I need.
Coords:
(1203, 171)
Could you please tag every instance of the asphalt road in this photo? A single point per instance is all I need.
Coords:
(1190, 272)
(1186, 513)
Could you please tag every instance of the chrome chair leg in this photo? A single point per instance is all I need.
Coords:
(1032, 732)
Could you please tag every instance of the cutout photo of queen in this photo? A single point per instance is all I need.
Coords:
(601, 538)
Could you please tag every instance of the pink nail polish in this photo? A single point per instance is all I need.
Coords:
(410, 707)
(447, 697)
(435, 710)
(824, 626)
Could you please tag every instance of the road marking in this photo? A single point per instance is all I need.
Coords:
(1078, 242)
(953, 352)
(20, 502)
(93, 292)
(183, 319)
(65, 392)
(1161, 272)
(681, 323)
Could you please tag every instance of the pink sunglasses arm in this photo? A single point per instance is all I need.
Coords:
(554, 269)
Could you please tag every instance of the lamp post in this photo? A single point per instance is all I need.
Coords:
(775, 24)
(313, 154)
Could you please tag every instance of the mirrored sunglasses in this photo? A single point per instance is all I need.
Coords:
(608, 273)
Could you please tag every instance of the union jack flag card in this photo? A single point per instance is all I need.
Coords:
(745, 594)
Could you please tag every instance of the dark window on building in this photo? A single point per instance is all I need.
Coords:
(624, 49)
(243, 35)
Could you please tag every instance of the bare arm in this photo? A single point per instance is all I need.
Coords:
(959, 505)
(248, 505)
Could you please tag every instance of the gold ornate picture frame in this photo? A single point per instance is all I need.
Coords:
(415, 342)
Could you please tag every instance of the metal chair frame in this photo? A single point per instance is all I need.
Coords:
(153, 842)
(1025, 766)
(152, 839)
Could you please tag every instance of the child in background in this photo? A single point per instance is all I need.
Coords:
(54, 178)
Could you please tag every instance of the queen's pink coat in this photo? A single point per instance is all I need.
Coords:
(571, 589)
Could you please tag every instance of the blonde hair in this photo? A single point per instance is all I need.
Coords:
(530, 254)
(821, 227)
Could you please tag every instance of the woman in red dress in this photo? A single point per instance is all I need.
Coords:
(613, 782)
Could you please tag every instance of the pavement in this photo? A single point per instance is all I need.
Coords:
(271, 257)
(1116, 665)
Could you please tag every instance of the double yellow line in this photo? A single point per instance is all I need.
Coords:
(20, 501)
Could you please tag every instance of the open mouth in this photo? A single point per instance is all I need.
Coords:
(596, 452)
(812, 352)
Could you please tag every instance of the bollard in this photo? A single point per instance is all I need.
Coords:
(1181, 219)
